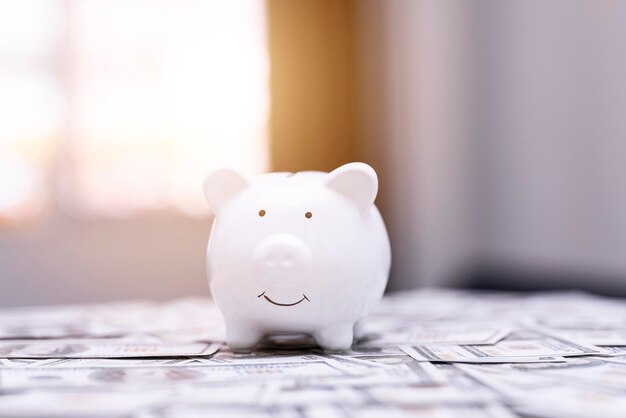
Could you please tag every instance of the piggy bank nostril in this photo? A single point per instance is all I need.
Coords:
(279, 261)
(282, 256)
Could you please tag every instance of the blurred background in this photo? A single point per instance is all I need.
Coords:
(498, 129)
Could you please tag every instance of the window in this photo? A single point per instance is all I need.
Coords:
(118, 109)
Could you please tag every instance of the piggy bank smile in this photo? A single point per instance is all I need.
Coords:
(267, 298)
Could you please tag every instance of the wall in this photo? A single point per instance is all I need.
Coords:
(65, 261)
(551, 138)
(499, 130)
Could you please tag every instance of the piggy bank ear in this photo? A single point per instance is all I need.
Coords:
(221, 185)
(356, 181)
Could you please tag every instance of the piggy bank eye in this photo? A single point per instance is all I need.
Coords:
(308, 215)
(262, 213)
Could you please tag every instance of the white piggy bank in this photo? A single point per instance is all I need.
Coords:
(296, 253)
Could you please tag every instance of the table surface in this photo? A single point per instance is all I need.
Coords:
(429, 352)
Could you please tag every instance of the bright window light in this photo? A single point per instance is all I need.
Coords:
(30, 106)
(130, 103)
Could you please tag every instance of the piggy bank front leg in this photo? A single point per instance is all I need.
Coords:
(242, 337)
(335, 337)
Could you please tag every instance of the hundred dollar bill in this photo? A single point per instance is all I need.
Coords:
(468, 410)
(456, 388)
(615, 351)
(572, 402)
(74, 363)
(599, 337)
(187, 319)
(102, 348)
(355, 371)
(597, 319)
(410, 373)
(418, 396)
(518, 347)
(227, 357)
(337, 410)
(459, 335)
(366, 351)
(587, 371)
(294, 394)
(79, 403)
(192, 410)
(618, 355)
(358, 371)
(541, 395)
(53, 322)
(28, 378)
(506, 379)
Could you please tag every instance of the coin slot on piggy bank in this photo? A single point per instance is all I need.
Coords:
(304, 253)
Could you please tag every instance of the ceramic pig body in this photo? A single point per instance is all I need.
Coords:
(296, 253)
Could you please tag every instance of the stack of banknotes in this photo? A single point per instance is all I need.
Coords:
(429, 352)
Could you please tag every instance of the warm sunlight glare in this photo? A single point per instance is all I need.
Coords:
(131, 103)
(30, 106)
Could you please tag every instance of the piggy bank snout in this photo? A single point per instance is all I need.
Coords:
(282, 259)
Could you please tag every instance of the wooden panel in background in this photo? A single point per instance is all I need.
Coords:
(312, 53)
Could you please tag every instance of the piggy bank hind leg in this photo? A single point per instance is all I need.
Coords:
(335, 337)
(241, 337)
(359, 329)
